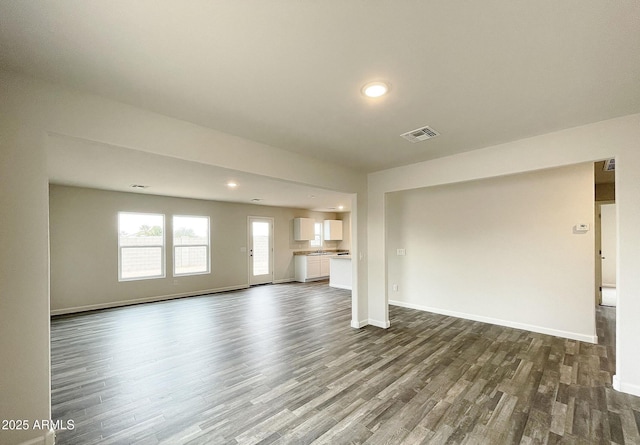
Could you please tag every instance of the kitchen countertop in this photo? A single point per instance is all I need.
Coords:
(315, 252)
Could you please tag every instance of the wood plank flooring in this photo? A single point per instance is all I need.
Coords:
(280, 365)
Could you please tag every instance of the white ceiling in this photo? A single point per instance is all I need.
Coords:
(288, 73)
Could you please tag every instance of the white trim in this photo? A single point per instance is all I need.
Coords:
(93, 307)
(380, 324)
(48, 439)
(511, 324)
(359, 324)
(284, 280)
(625, 387)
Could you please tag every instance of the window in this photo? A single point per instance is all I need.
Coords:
(140, 246)
(317, 242)
(190, 245)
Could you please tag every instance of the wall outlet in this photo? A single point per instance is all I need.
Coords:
(395, 288)
(401, 252)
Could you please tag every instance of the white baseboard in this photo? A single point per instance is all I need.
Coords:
(616, 382)
(380, 324)
(284, 280)
(93, 307)
(49, 438)
(510, 324)
(625, 387)
(359, 324)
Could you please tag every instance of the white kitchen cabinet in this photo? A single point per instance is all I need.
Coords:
(311, 267)
(332, 230)
(303, 229)
(325, 266)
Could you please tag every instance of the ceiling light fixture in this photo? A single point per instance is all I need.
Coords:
(340, 207)
(375, 89)
(231, 184)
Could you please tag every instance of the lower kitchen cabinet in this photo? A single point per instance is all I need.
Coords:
(311, 267)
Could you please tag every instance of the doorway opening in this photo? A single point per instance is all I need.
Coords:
(606, 233)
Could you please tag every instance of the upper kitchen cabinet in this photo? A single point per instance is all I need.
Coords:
(332, 230)
(303, 229)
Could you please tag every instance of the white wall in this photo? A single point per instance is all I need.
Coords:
(619, 138)
(24, 277)
(84, 260)
(497, 250)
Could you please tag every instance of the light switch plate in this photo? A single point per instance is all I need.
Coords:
(401, 252)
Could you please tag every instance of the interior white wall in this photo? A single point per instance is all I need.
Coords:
(619, 138)
(496, 250)
(24, 279)
(84, 241)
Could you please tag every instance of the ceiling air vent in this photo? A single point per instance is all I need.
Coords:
(610, 165)
(421, 134)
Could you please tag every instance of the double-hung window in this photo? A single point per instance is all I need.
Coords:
(140, 246)
(190, 245)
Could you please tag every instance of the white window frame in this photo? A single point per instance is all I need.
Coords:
(161, 246)
(317, 242)
(207, 246)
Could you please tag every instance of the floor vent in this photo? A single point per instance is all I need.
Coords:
(421, 134)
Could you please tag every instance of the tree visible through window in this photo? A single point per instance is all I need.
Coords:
(190, 245)
(140, 246)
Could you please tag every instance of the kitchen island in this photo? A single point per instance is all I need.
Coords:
(340, 276)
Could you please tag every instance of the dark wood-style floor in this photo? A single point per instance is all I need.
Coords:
(279, 364)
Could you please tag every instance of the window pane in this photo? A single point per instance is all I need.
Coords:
(140, 229)
(317, 242)
(191, 245)
(190, 230)
(190, 259)
(260, 231)
(141, 244)
(140, 262)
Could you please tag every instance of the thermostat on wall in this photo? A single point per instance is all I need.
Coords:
(582, 227)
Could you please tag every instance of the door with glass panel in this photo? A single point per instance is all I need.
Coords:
(260, 250)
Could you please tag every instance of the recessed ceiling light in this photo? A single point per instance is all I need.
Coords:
(375, 89)
(231, 184)
(340, 207)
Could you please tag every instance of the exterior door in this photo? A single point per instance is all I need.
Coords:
(260, 250)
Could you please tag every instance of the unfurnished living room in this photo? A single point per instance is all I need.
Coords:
(297, 222)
